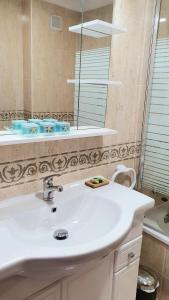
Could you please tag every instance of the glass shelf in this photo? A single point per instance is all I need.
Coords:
(94, 81)
(97, 29)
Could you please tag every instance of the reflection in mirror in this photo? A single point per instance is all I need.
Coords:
(91, 99)
(40, 55)
(37, 57)
(92, 62)
(53, 58)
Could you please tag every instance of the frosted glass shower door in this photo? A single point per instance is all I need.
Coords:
(156, 157)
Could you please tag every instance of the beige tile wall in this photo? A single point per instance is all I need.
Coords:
(164, 27)
(11, 56)
(104, 13)
(27, 55)
(53, 58)
(124, 112)
(29, 164)
(35, 60)
(129, 64)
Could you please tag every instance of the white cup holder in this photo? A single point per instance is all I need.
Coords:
(122, 169)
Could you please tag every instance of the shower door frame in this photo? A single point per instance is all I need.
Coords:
(149, 80)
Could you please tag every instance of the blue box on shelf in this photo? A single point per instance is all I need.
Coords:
(30, 129)
(47, 128)
(62, 127)
(17, 124)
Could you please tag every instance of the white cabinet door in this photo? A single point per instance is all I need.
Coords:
(50, 293)
(95, 284)
(125, 282)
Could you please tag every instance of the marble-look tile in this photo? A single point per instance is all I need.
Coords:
(11, 68)
(52, 66)
(137, 17)
(38, 165)
(164, 26)
(128, 117)
(130, 53)
(64, 178)
(153, 253)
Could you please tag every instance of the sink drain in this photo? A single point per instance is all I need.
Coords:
(61, 234)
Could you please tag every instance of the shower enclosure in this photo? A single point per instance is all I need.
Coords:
(155, 166)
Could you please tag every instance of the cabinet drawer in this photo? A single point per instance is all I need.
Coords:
(127, 254)
(125, 282)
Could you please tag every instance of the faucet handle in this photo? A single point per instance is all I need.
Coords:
(49, 188)
(48, 182)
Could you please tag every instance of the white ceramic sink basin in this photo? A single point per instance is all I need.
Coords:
(96, 221)
(37, 226)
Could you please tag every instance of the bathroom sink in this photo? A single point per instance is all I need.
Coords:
(86, 217)
(79, 227)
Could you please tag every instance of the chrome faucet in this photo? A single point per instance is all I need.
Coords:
(49, 188)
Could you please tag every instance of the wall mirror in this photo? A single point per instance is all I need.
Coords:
(54, 60)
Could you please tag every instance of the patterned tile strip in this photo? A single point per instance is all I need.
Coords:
(14, 115)
(21, 114)
(61, 116)
(19, 172)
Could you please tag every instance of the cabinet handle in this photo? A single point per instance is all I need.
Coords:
(131, 255)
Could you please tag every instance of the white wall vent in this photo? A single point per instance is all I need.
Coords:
(56, 23)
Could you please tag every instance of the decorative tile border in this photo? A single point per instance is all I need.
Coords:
(19, 172)
(22, 114)
(14, 115)
(61, 116)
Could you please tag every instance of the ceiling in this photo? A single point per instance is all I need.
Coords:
(77, 4)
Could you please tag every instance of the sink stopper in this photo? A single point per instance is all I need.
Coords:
(61, 234)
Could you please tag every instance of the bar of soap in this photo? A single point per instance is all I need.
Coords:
(96, 182)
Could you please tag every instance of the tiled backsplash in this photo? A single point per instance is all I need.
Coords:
(28, 170)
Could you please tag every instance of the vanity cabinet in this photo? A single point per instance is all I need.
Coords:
(113, 278)
(50, 293)
(94, 284)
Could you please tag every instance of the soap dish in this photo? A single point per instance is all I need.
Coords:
(96, 182)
